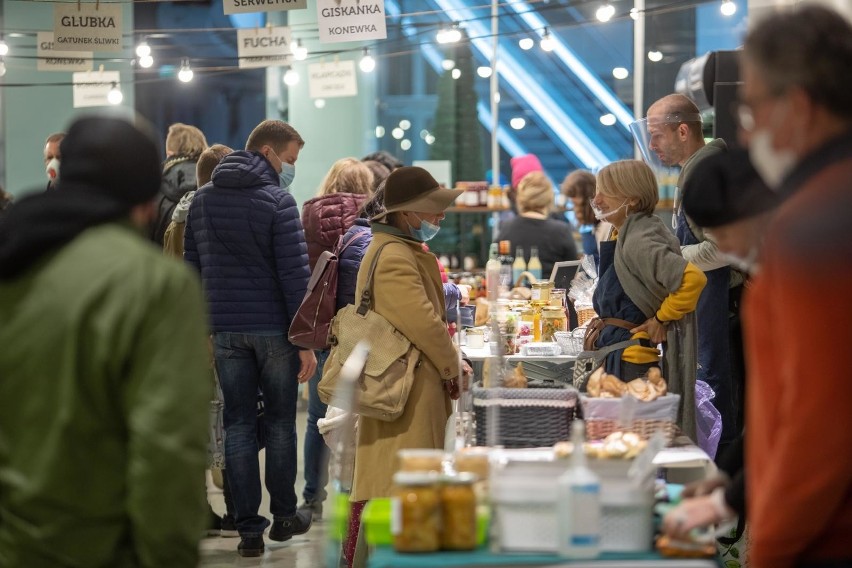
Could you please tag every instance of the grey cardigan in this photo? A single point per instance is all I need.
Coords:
(650, 266)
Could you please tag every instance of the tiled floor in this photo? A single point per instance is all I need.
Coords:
(306, 551)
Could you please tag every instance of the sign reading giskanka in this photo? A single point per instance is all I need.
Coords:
(49, 60)
(351, 20)
(245, 6)
(264, 47)
(88, 26)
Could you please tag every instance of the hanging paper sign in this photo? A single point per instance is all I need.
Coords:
(91, 88)
(264, 47)
(328, 80)
(351, 20)
(245, 6)
(87, 26)
(50, 60)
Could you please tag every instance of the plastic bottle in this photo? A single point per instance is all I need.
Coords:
(579, 503)
(492, 275)
(534, 265)
(519, 265)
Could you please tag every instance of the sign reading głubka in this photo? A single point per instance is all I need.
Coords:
(264, 47)
(245, 6)
(337, 79)
(351, 21)
(49, 60)
(91, 88)
(86, 28)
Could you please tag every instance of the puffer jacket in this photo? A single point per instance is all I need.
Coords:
(178, 179)
(350, 261)
(327, 217)
(244, 235)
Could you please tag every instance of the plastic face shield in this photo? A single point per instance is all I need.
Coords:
(645, 130)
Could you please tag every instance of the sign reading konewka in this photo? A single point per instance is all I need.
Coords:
(86, 28)
(327, 80)
(264, 47)
(351, 21)
(91, 88)
(244, 6)
(49, 60)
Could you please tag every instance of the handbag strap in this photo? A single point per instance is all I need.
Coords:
(620, 323)
(367, 294)
(600, 354)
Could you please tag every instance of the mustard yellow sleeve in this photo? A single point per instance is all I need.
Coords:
(684, 299)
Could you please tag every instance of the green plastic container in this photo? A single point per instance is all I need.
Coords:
(376, 519)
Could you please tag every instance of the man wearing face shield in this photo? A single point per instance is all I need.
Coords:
(797, 110)
(671, 135)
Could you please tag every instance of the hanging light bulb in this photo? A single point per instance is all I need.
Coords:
(620, 73)
(526, 43)
(398, 133)
(449, 35)
(380, 131)
(483, 71)
(456, 73)
(448, 64)
(608, 119)
(4, 47)
(291, 77)
(634, 14)
(728, 8)
(518, 122)
(114, 96)
(605, 12)
(319, 103)
(405, 124)
(185, 74)
(146, 61)
(2, 67)
(547, 42)
(300, 53)
(655, 55)
(405, 145)
(367, 63)
(143, 49)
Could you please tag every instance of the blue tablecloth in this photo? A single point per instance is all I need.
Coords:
(387, 558)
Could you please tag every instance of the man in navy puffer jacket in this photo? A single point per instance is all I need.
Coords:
(244, 235)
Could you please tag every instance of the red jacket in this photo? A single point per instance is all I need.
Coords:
(798, 322)
(327, 217)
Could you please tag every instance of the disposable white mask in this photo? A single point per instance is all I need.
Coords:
(52, 170)
(747, 264)
(601, 216)
(772, 165)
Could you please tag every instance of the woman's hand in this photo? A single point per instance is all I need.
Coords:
(308, 365)
(655, 330)
(692, 513)
(467, 373)
(452, 388)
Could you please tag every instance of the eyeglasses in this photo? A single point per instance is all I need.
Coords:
(745, 111)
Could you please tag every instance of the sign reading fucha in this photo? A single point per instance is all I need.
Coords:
(246, 6)
(89, 27)
(50, 60)
(352, 21)
(264, 47)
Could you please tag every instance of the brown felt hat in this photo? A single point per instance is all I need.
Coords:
(411, 188)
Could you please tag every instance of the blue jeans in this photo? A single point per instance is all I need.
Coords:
(245, 363)
(316, 452)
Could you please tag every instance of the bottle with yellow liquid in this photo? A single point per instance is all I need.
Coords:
(518, 266)
(534, 265)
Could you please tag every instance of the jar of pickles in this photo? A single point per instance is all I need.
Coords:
(541, 291)
(421, 459)
(416, 512)
(552, 320)
(458, 512)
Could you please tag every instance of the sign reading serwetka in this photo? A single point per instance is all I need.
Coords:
(49, 60)
(264, 47)
(91, 88)
(86, 27)
(350, 20)
(332, 80)
(245, 6)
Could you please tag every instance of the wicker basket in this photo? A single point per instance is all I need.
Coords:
(602, 417)
(527, 418)
(585, 315)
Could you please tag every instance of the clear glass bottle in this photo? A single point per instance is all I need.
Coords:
(534, 265)
(492, 274)
(518, 266)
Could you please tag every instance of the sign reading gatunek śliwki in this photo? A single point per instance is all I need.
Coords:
(87, 28)
(245, 6)
(338, 79)
(264, 47)
(351, 21)
(92, 87)
(50, 60)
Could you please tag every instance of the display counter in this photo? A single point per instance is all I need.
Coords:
(387, 558)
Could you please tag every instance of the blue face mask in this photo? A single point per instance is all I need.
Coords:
(287, 175)
(426, 232)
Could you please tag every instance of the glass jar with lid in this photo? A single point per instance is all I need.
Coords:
(557, 297)
(458, 512)
(552, 320)
(541, 291)
(416, 512)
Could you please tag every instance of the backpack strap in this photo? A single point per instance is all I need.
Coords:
(342, 246)
(367, 293)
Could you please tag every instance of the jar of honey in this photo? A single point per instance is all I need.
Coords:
(458, 512)
(416, 512)
(541, 291)
(552, 320)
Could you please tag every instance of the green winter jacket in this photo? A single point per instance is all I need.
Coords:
(104, 395)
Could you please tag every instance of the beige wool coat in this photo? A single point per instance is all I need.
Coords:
(408, 292)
